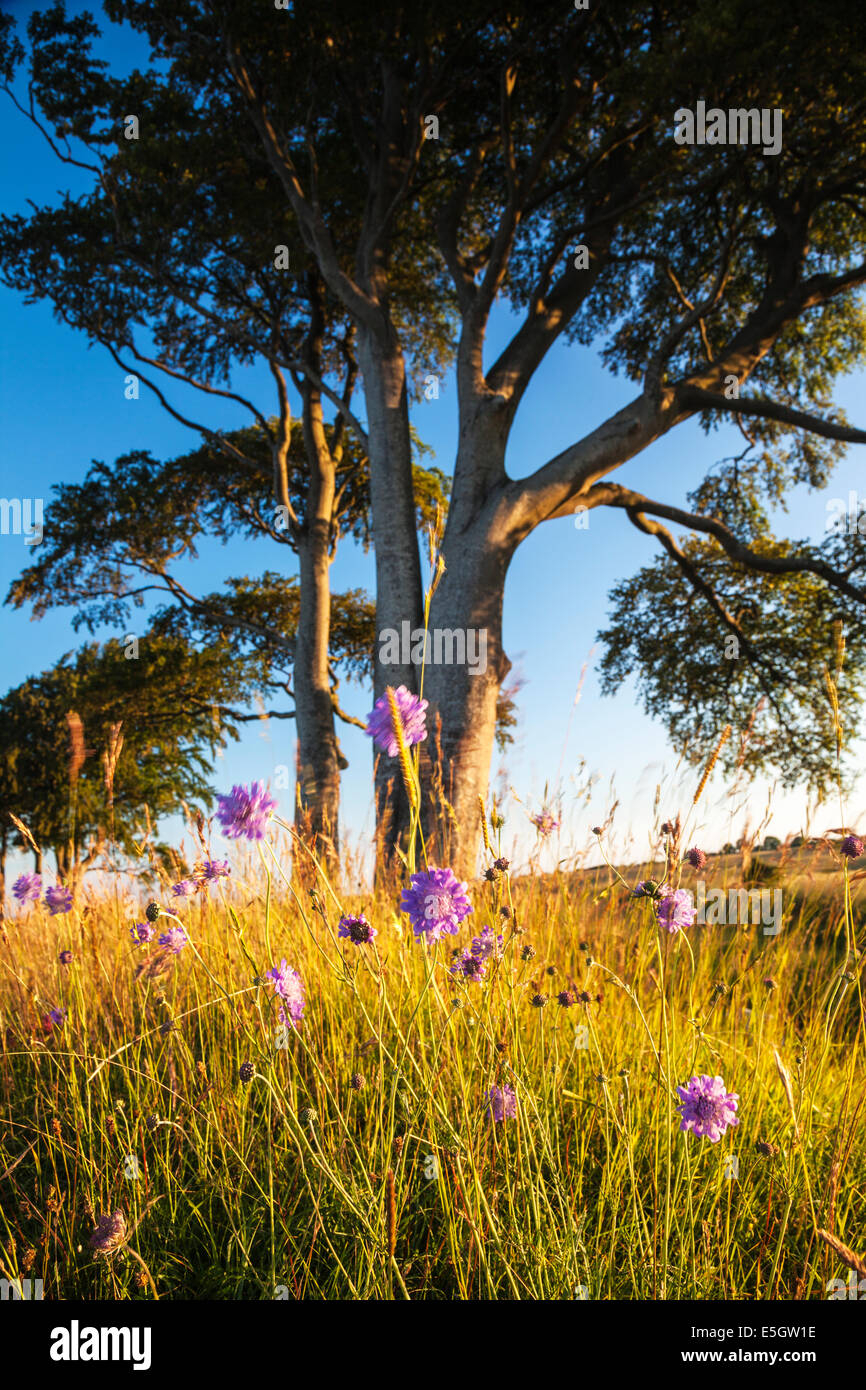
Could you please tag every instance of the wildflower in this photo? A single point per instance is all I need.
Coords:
(768, 1150)
(707, 1109)
(185, 888)
(245, 1072)
(676, 910)
(487, 946)
(357, 929)
(245, 812)
(545, 823)
(110, 1233)
(527, 952)
(696, 858)
(174, 940)
(356, 1081)
(55, 1018)
(152, 911)
(468, 965)
(501, 1103)
(585, 997)
(380, 724)
(491, 875)
(648, 888)
(539, 1001)
(289, 987)
(436, 903)
(58, 899)
(501, 864)
(565, 998)
(212, 870)
(142, 933)
(65, 957)
(852, 847)
(153, 1123)
(770, 983)
(27, 888)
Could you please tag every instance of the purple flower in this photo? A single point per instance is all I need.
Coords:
(357, 929)
(185, 888)
(289, 987)
(707, 1108)
(174, 940)
(245, 812)
(501, 1102)
(141, 933)
(566, 998)
(58, 899)
(380, 724)
(27, 888)
(852, 847)
(648, 888)
(212, 870)
(676, 910)
(436, 903)
(65, 957)
(487, 946)
(110, 1233)
(696, 858)
(470, 966)
(54, 1018)
(545, 823)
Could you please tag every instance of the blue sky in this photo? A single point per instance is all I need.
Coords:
(63, 404)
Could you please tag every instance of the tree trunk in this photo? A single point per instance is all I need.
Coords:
(399, 593)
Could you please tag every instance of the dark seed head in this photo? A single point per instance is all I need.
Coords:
(527, 952)
(356, 1081)
(152, 911)
(539, 1001)
(501, 864)
(245, 1072)
(491, 875)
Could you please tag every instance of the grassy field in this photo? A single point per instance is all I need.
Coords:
(361, 1160)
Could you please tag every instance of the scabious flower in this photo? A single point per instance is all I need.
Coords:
(707, 1109)
(545, 823)
(467, 964)
(141, 933)
(566, 998)
(289, 987)
(649, 888)
(487, 946)
(696, 858)
(58, 899)
(212, 870)
(676, 910)
(65, 957)
(380, 724)
(55, 1018)
(185, 888)
(174, 940)
(852, 847)
(436, 903)
(110, 1233)
(357, 929)
(245, 812)
(501, 1103)
(28, 888)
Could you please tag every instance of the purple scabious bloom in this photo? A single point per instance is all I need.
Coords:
(212, 870)
(185, 888)
(648, 888)
(65, 957)
(28, 888)
(245, 812)
(566, 998)
(58, 899)
(380, 723)
(141, 933)
(707, 1109)
(696, 858)
(470, 966)
(289, 987)
(487, 946)
(174, 940)
(545, 823)
(501, 1102)
(55, 1018)
(852, 847)
(436, 903)
(676, 910)
(357, 929)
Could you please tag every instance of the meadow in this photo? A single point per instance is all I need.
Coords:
(401, 1131)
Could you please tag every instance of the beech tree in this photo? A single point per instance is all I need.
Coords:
(545, 150)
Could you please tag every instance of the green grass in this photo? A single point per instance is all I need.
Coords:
(280, 1187)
